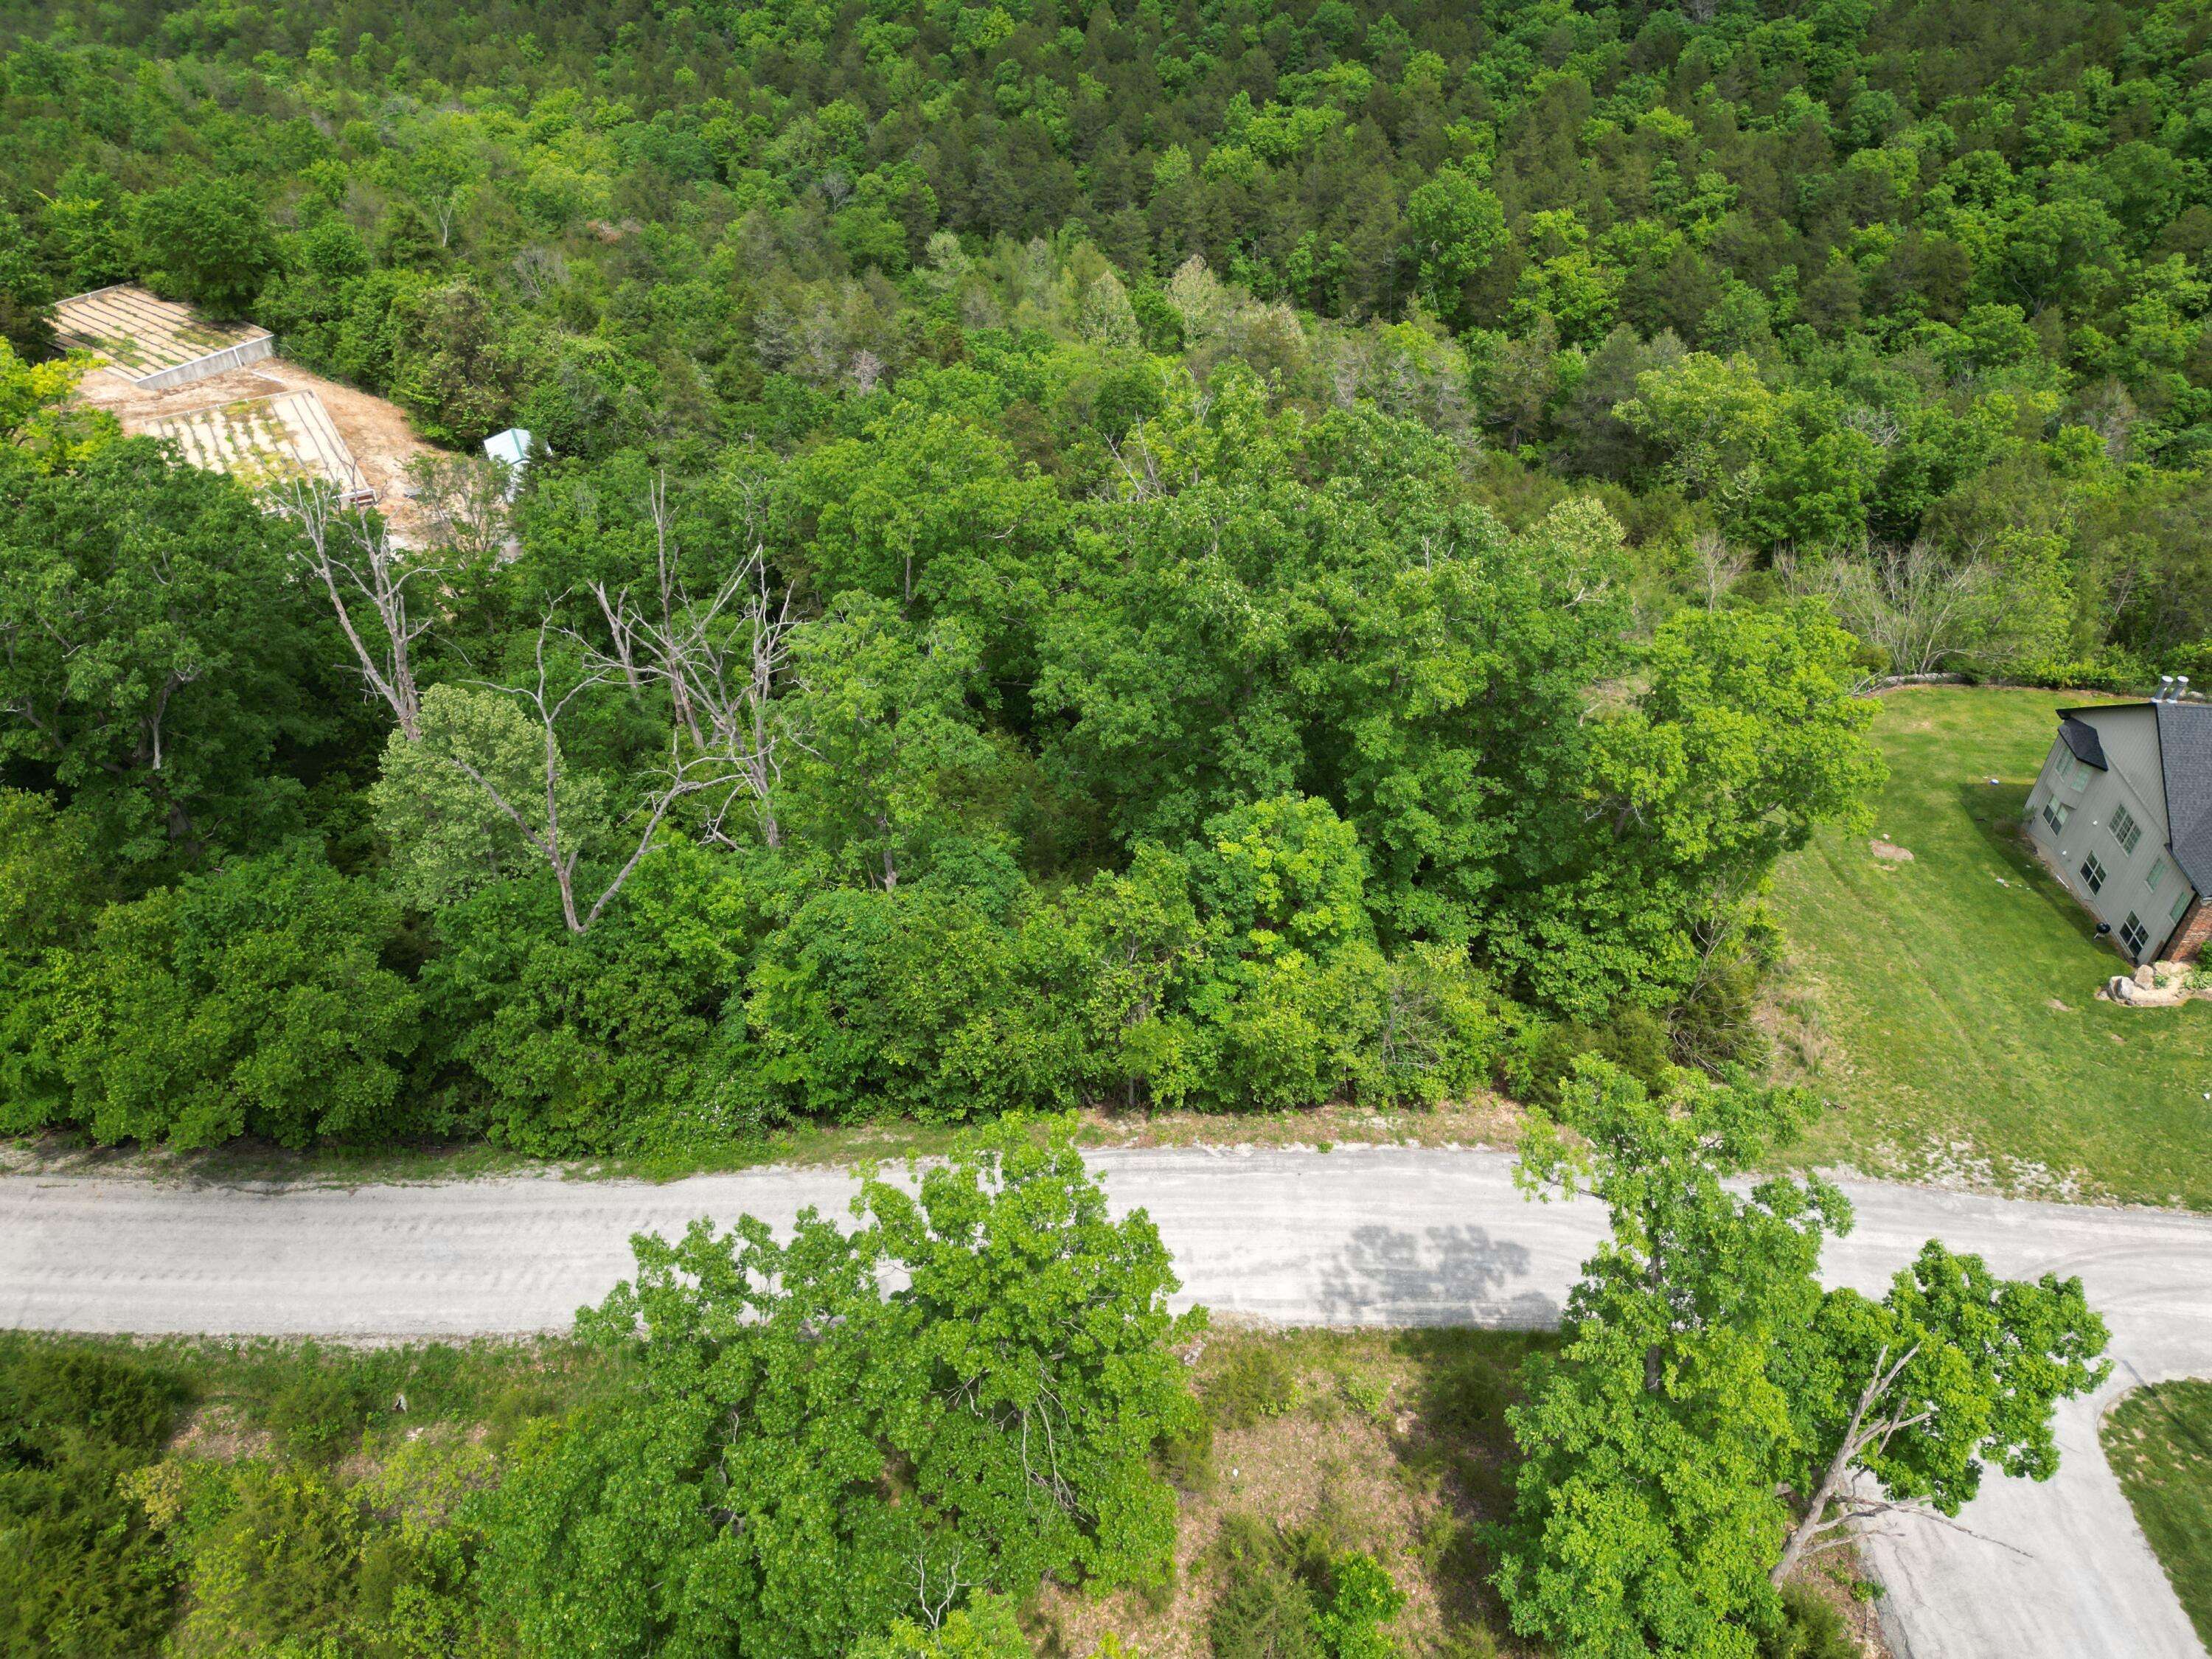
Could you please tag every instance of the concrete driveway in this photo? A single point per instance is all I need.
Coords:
(1354, 1237)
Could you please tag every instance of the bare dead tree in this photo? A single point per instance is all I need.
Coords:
(562, 846)
(621, 620)
(370, 587)
(1720, 566)
(936, 1593)
(720, 660)
(539, 272)
(1920, 608)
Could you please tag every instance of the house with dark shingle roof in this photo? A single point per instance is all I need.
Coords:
(2122, 814)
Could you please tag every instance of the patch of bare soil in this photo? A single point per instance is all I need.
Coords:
(375, 431)
(1487, 1121)
(1349, 1443)
(220, 1432)
(1394, 1443)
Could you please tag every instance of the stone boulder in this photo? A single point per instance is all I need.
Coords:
(2156, 985)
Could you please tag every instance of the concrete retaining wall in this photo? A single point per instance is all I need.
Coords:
(215, 363)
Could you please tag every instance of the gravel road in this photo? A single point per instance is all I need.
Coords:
(1354, 1237)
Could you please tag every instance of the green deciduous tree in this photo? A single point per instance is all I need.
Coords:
(251, 1001)
(208, 242)
(41, 427)
(50, 878)
(891, 758)
(434, 803)
(1644, 1517)
(1699, 1433)
(1902, 1403)
(455, 367)
(154, 653)
(1745, 739)
(1455, 227)
(1369, 640)
(801, 1458)
(1713, 418)
(26, 290)
(1041, 1330)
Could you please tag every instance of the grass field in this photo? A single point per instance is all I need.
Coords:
(2158, 1440)
(1947, 1005)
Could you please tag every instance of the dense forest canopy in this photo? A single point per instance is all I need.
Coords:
(1224, 555)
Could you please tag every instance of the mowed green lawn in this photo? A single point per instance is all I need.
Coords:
(2159, 1442)
(1947, 1005)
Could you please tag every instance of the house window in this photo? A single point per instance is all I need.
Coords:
(2077, 773)
(2157, 873)
(2133, 936)
(2055, 813)
(2125, 830)
(2092, 873)
(2181, 905)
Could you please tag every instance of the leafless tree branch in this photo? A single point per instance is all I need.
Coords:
(367, 582)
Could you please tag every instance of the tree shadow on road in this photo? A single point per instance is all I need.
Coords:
(1456, 1275)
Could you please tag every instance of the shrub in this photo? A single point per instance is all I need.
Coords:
(1363, 1599)
(1187, 1456)
(50, 1392)
(281, 1564)
(1470, 1642)
(1286, 1595)
(251, 1001)
(1466, 1398)
(1543, 1053)
(920, 1001)
(81, 1575)
(1812, 1628)
(1264, 1610)
(563, 1046)
(319, 1412)
(1256, 1380)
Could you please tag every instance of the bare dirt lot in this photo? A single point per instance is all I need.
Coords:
(374, 430)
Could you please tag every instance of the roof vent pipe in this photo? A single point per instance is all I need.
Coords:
(2165, 688)
(2180, 687)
